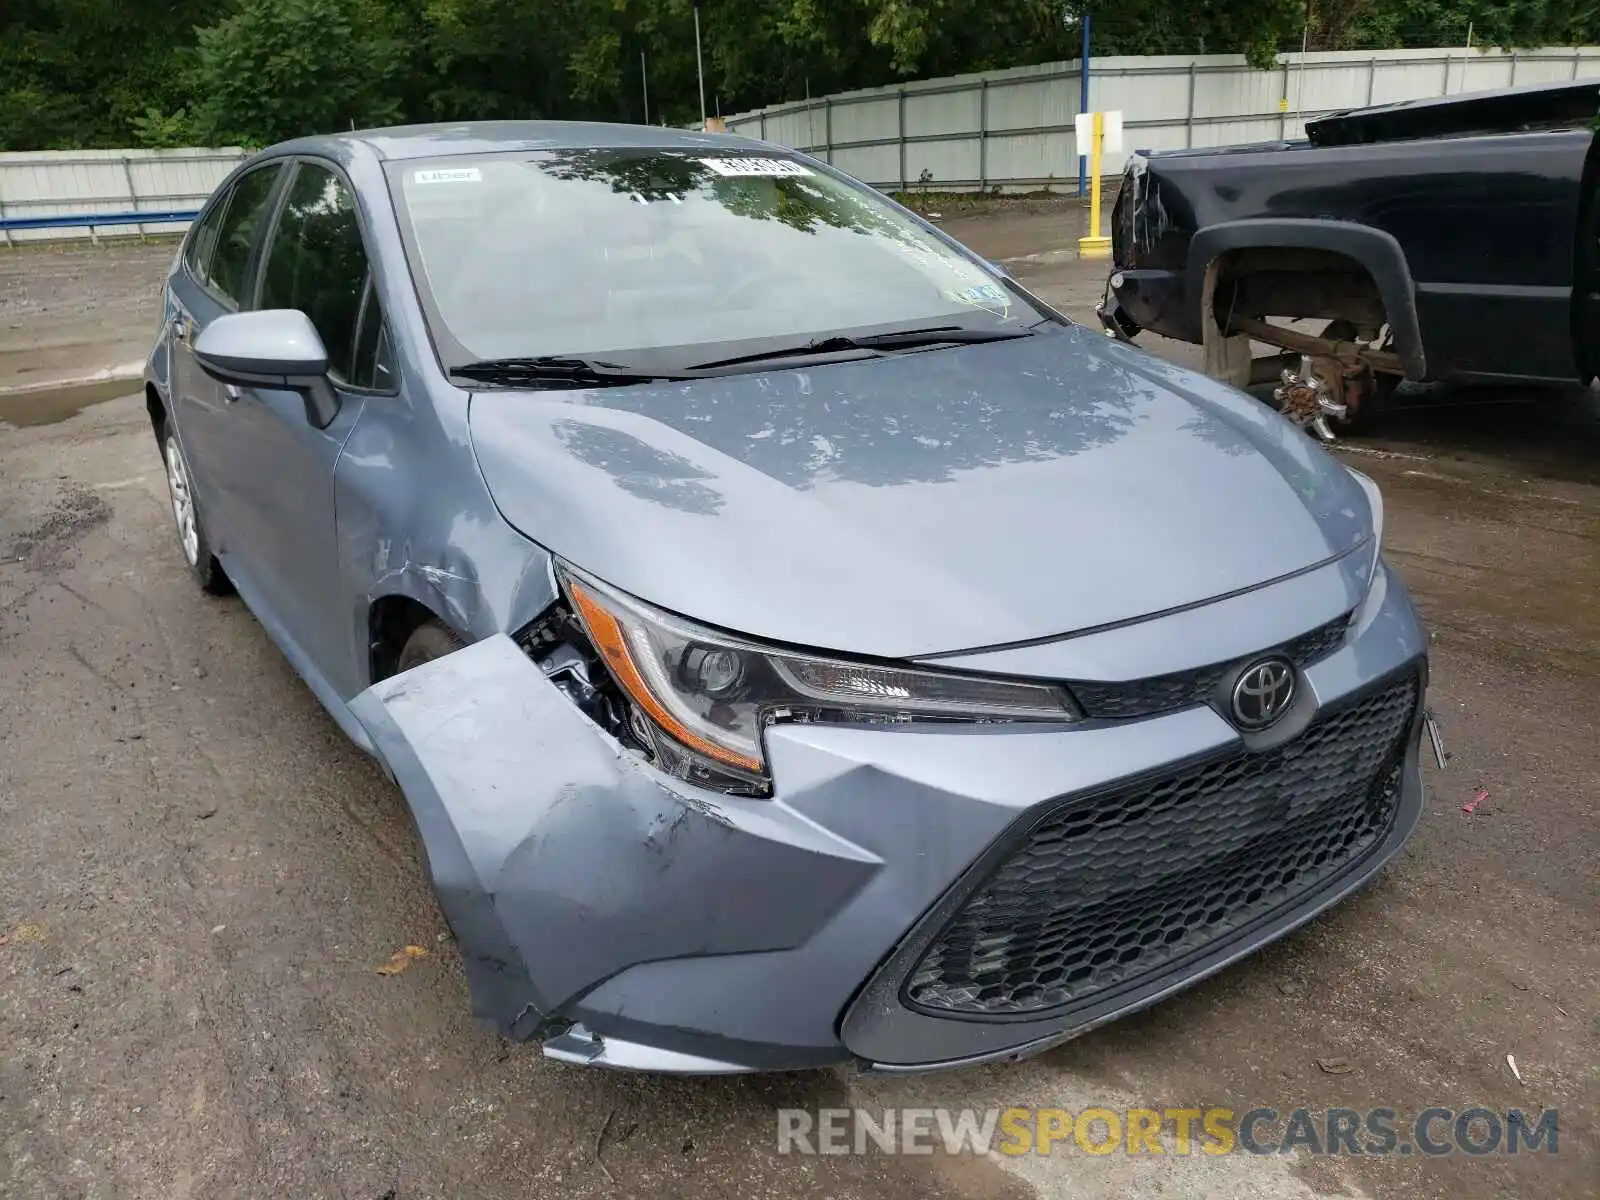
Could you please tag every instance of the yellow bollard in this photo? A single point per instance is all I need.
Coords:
(1095, 246)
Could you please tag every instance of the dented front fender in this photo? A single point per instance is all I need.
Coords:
(561, 859)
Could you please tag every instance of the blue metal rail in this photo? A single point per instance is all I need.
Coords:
(91, 220)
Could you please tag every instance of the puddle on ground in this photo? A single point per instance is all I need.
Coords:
(47, 406)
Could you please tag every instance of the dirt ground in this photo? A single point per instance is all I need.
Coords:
(73, 312)
(199, 875)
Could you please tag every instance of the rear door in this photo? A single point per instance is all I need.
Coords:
(280, 464)
(216, 271)
(183, 284)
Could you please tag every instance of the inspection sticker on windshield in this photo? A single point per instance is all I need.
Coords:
(449, 175)
(754, 166)
(982, 295)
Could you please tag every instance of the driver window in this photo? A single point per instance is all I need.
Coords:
(247, 208)
(317, 264)
(197, 254)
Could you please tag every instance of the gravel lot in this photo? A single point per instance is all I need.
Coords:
(69, 311)
(200, 875)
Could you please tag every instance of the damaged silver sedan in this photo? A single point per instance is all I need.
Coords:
(796, 643)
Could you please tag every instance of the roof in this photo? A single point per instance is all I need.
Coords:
(487, 137)
(1504, 110)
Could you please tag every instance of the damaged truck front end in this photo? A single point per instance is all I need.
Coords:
(1352, 258)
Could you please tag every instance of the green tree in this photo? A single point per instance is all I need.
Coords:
(115, 72)
(280, 68)
(156, 130)
(1258, 29)
(79, 73)
(1509, 24)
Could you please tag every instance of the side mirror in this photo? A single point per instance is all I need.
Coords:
(272, 348)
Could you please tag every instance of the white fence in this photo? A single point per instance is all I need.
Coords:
(1013, 129)
(1001, 129)
(56, 183)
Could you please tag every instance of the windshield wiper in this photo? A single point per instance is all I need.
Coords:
(553, 370)
(900, 339)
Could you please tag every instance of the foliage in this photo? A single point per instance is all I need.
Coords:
(278, 68)
(1258, 29)
(166, 72)
(77, 73)
(164, 131)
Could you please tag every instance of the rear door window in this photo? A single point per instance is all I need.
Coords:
(316, 262)
(203, 241)
(236, 235)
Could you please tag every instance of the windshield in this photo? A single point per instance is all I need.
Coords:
(606, 252)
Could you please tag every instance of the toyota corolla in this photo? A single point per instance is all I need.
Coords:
(796, 643)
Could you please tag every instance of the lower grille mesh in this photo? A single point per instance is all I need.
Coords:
(1103, 893)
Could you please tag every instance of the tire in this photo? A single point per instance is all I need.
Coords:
(191, 529)
(428, 641)
(1370, 413)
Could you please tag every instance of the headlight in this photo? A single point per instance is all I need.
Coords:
(701, 698)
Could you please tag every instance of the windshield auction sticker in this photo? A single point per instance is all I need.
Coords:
(987, 296)
(449, 175)
(754, 166)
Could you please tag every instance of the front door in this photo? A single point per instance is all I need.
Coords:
(212, 283)
(281, 464)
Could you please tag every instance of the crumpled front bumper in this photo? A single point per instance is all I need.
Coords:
(1146, 298)
(634, 920)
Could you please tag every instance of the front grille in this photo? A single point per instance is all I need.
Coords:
(1106, 891)
(1162, 693)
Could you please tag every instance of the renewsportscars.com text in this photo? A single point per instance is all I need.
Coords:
(1173, 1131)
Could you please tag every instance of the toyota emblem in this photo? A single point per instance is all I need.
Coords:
(1263, 693)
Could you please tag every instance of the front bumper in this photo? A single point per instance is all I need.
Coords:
(636, 921)
(1147, 298)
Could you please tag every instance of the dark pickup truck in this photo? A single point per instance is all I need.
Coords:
(1450, 239)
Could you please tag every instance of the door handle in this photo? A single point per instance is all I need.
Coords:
(180, 328)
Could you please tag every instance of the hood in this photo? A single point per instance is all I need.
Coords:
(923, 503)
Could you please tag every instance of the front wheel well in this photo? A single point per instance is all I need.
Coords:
(1295, 282)
(1343, 371)
(390, 623)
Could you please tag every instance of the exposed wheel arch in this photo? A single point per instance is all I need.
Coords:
(430, 640)
(390, 623)
(1342, 376)
(1271, 281)
(1367, 262)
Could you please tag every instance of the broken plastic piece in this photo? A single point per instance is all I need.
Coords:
(1435, 738)
(583, 1048)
